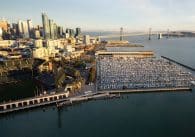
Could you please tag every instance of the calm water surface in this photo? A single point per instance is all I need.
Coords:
(136, 115)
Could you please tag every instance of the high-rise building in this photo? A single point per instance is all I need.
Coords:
(23, 29)
(14, 31)
(20, 29)
(1, 32)
(67, 30)
(51, 26)
(86, 40)
(78, 32)
(46, 26)
(55, 31)
(4, 25)
(60, 32)
(70, 32)
(30, 28)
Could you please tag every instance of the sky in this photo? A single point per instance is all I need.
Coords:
(105, 15)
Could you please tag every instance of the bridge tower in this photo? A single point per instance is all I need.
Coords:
(167, 33)
(99, 37)
(121, 34)
(159, 35)
(150, 33)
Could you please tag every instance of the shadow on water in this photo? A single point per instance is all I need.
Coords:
(59, 118)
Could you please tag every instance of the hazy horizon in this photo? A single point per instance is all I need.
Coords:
(109, 15)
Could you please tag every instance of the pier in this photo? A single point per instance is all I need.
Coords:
(116, 94)
(148, 90)
(62, 99)
(183, 65)
(82, 98)
(32, 102)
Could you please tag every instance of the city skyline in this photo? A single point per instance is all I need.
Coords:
(107, 15)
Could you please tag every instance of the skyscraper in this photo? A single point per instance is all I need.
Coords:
(86, 40)
(20, 29)
(4, 25)
(60, 32)
(1, 32)
(14, 30)
(46, 26)
(78, 32)
(30, 28)
(23, 29)
(51, 26)
(55, 31)
(70, 32)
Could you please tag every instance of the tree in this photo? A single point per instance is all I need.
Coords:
(92, 74)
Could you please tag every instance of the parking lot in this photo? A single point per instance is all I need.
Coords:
(115, 73)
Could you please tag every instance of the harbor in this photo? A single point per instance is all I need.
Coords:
(143, 108)
(142, 72)
(97, 68)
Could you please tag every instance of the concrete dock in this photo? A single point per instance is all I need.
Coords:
(95, 96)
(62, 99)
(148, 90)
(116, 94)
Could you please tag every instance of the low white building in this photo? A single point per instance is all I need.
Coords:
(38, 43)
(44, 53)
(60, 43)
(69, 48)
(67, 35)
(86, 40)
(7, 43)
(37, 34)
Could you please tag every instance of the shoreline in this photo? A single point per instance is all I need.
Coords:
(100, 95)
